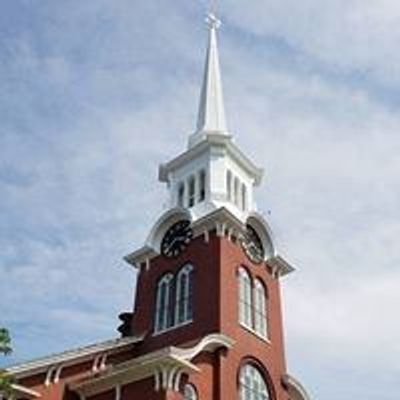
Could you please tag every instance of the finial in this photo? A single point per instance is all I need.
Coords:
(212, 21)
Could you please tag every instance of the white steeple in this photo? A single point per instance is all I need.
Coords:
(212, 173)
(211, 115)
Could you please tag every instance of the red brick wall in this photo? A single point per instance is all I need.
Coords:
(216, 310)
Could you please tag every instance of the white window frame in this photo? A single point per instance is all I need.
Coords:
(244, 197)
(260, 309)
(181, 194)
(245, 298)
(190, 392)
(163, 316)
(202, 185)
(253, 385)
(184, 295)
(191, 191)
(236, 191)
(229, 180)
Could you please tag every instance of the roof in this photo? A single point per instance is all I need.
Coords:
(72, 356)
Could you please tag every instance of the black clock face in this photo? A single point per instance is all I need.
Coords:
(176, 239)
(253, 246)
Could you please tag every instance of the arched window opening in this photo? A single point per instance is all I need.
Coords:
(229, 185)
(236, 191)
(245, 298)
(244, 197)
(202, 188)
(184, 295)
(163, 319)
(260, 309)
(252, 384)
(192, 191)
(181, 195)
(189, 392)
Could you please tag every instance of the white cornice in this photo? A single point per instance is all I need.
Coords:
(280, 266)
(24, 392)
(220, 219)
(71, 356)
(166, 365)
(295, 388)
(212, 140)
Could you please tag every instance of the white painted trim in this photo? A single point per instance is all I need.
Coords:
(58, 374)
(252, 331)
(25, 391)
(165, 365)
(209, 344)
(171, 328)
(295, 388)
(71, 357)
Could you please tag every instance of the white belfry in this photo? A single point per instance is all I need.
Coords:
(211, 115)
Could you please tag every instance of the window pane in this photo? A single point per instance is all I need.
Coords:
(181, 194)
(184, 295)
(163, 311)
(190, 392)
(192, 190)
(252, 384)
(244, 197)
(202, 191)
(229, 185)
(236, 192)
(260, 310)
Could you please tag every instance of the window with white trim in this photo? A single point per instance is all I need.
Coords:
(260, 309)
(229, 185)
(184, 295)
(252, 384)
(245, 298)
(163, 318)
(181, 194)
(244, 197)
(192, 191)
(202, 185)
(236, 191)
(189, 392)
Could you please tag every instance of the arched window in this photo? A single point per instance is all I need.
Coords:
(202, 183)
(163, 319)
(189, 392)
(229, 185)
(252, 384)
(236, 191)
(181, 194)
(245, 298)
(184, 295)
(260, 309)
(192, 191)
(244, 197)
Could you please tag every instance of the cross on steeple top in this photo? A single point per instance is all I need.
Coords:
(212, 21)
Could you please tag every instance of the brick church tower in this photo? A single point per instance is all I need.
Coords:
(207, 322)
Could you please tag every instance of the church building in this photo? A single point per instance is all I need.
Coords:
(207, 321)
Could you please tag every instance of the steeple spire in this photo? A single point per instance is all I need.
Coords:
(211, 115)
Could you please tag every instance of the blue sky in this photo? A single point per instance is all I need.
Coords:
(95, 94)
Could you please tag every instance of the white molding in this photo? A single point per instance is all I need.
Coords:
(24, 391)
(71, 357)
(295, 389)
(166, 366)
(58, 374)
(171, 328)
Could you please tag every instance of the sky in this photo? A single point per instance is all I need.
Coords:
(94, 95)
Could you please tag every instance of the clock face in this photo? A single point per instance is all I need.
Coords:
(253, 246)
(176, 239)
